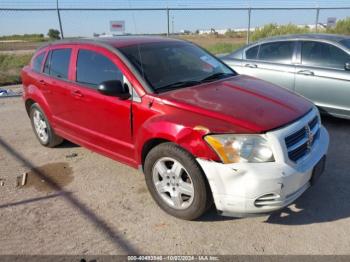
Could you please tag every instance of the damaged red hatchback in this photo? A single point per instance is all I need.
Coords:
(200, 132)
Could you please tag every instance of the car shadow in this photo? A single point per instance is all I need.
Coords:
(67, 144)
(212, 215)
(328, 200)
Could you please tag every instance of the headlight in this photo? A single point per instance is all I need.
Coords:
(241, 148)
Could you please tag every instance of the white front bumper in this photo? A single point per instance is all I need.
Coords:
(242, 189)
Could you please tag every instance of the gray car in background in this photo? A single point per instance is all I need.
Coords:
(316, 66)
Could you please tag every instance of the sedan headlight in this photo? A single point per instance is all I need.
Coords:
(241, 148)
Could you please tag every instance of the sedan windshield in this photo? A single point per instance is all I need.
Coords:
(172, 65)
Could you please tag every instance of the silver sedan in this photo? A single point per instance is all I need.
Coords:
(316, 66)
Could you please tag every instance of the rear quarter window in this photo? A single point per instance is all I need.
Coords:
(38, 61)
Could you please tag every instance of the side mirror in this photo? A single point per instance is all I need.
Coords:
(114, 88)
(347, 66)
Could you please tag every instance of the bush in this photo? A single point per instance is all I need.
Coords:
(10, 67)
(342, 27)
(275, 30)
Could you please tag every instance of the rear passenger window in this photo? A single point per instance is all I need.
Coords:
(252, 52)
(94, 68)
(279, 52)
(37, 62)
(57, 63)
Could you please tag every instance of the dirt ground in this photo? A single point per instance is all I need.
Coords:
(78, 202)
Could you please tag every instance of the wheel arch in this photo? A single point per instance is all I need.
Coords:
(152, 143)
(28, 103)
(149, 145)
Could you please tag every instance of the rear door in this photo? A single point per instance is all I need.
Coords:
(271, 62)
(55, 84)
(321, 76)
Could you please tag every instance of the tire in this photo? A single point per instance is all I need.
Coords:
(42, 127)
(176, 182)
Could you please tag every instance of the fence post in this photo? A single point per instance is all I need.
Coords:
(168, 22)
(59, 19)
(248, 29)
(317, 18)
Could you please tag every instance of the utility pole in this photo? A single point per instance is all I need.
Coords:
(317, 18)
(248, 29)
(168, 22)
(59, 19)
(172, 24)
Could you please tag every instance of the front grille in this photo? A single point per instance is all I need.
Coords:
(300, 143)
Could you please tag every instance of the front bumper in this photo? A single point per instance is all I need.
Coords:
(244, 189)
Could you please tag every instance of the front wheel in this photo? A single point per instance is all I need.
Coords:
(176, 181)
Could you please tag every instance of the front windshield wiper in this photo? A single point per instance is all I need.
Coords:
(216, 76)
(177, 85)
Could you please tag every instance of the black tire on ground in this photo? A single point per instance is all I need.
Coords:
(202, 199)
(53, 139)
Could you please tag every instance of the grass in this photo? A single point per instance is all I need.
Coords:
(25, 37)
(222, 48)
(10, 67)
(216, 44)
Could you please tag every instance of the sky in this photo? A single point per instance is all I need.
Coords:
(85, 23)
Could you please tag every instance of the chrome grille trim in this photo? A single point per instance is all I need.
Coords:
(300, 143)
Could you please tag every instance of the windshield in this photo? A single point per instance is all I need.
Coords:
(173, 65)
(346, 43)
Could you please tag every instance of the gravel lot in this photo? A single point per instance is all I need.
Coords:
(89, 204)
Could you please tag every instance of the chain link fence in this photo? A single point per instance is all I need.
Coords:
(219, 27)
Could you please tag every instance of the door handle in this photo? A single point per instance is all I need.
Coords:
(42, 82)
(77, 93)
(306, 72)
(251, 65)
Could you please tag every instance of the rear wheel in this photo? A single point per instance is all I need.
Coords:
(176, 181)
(42, 127)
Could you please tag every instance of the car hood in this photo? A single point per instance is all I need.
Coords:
(252, 104)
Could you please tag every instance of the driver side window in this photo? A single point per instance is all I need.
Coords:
(323, 55)
(94, 68)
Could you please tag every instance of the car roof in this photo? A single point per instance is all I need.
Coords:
(116, 42)
(327, 37)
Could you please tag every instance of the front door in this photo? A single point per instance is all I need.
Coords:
(322, 78)
(99, 121)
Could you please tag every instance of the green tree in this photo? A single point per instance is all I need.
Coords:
(54, 34)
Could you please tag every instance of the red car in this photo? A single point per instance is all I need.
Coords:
(200, 132)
